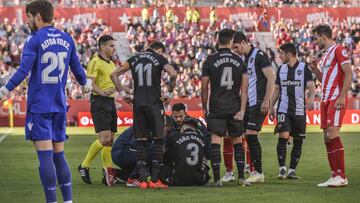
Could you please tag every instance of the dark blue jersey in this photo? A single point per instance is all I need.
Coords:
(47, 55)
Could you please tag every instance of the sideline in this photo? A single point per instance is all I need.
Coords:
(5, 135)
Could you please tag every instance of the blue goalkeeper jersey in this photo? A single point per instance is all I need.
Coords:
(47, 55)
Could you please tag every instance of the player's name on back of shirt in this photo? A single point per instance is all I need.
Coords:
(149, 56)
(221, 61)
(55, 41)
(188, 137)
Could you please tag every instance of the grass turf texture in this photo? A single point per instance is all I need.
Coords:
(19, 179)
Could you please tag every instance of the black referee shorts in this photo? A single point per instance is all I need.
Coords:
(253, 118)
(148, 119)
(294, 124)
(103, 112)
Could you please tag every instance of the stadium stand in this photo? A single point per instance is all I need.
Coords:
(187, 42)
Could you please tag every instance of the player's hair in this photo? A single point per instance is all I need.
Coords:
(289, 48)
(225, 36)
(42, 7)
(157, 45)
(323, 29)
(239, 37)
(178, 107)
(103, 39)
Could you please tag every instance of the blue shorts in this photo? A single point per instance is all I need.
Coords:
(45, 126)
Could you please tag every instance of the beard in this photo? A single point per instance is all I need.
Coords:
(32, 27)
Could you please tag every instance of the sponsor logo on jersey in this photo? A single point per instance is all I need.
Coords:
(251, 59)
(291, 83)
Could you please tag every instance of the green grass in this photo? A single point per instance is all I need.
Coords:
(19, 181)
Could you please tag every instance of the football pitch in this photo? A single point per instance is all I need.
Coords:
(19, 179)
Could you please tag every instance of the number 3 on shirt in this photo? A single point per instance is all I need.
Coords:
(57, 60)
(226, 78)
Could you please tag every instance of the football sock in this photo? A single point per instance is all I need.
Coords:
(157, 155)
(215, 157)
(141, 159)
(281, 151)
(47, 174)
(93, 150)
(331, 147)
(340, 157)
(239, 159)
(247, 153)
(296, 152)
(228, 153)
(106, 157)
(63, 176)
(255, 151)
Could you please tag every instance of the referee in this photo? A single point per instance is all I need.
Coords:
(103, 110)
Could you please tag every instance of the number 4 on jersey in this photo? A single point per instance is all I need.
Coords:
(226, 78)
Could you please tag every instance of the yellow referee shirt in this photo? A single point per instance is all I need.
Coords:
(100, 69)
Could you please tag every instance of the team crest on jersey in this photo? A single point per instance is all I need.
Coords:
(251, 59)
(30, 125)
(299, 72)
(344, 53)
(28, 38)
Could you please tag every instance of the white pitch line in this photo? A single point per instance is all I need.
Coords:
(5, 135)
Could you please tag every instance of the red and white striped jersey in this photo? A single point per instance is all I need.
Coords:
(332, 73)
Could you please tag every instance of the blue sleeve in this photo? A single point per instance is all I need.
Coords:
(28, 59)
(125, 138)
(76, 67)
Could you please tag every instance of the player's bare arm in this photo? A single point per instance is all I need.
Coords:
(313, 66)
(273, 100)
(269, 74)
(311, 95)
(244, 97)
(172, 73)
(340, 102)
(204, 94)
(115, 78)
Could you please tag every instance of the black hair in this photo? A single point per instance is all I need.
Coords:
(323, 29)
(42, 7)
(178, 107)
(289, 48)
(225, 36)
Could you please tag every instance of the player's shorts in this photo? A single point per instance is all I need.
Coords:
(330, 117)
(148, 120)
(103, 112)
(45, 126)
(124, 158)
(253, 118)
(296, 125)
(224, 125)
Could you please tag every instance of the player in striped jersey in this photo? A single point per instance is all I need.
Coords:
(261, 85)
(292, 79)
(335, 76)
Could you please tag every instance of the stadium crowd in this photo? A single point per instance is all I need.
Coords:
(187, 43)
(224, 3)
